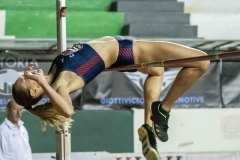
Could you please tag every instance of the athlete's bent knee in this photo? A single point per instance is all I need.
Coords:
(204, 65)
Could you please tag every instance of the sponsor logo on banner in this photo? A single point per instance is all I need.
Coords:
(121, 100)
(7, 79)
(138, 78)
(11, 68)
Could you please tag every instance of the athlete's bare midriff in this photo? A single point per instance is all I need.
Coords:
(107, 48)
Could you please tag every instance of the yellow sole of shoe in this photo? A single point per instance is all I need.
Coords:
(148, 152)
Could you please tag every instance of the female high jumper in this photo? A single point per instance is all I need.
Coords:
(74, 68)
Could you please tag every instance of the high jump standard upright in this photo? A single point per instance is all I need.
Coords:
(63, 135)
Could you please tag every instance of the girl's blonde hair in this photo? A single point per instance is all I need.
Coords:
(50, 116)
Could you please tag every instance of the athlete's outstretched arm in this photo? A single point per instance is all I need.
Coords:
(60, 99)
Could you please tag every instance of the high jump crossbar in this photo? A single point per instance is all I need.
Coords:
(175, 62)
(63, 134)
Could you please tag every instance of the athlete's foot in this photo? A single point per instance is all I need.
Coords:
(149, 145)
(160, 121)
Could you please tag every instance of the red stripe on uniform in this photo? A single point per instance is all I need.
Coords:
(88, 65)
(127, 52)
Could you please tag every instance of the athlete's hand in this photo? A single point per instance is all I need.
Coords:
(36, 75)
(28, 69)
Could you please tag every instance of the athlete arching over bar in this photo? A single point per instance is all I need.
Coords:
(74, 68)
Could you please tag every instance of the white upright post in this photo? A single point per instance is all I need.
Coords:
(63, 139)
(61, 26)
(63, 135)
(60, 144)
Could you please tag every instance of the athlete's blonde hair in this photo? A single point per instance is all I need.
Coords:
(50, 116)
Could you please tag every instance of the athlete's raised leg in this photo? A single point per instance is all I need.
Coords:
(188, 75)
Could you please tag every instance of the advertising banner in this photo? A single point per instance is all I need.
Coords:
(125, 90)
